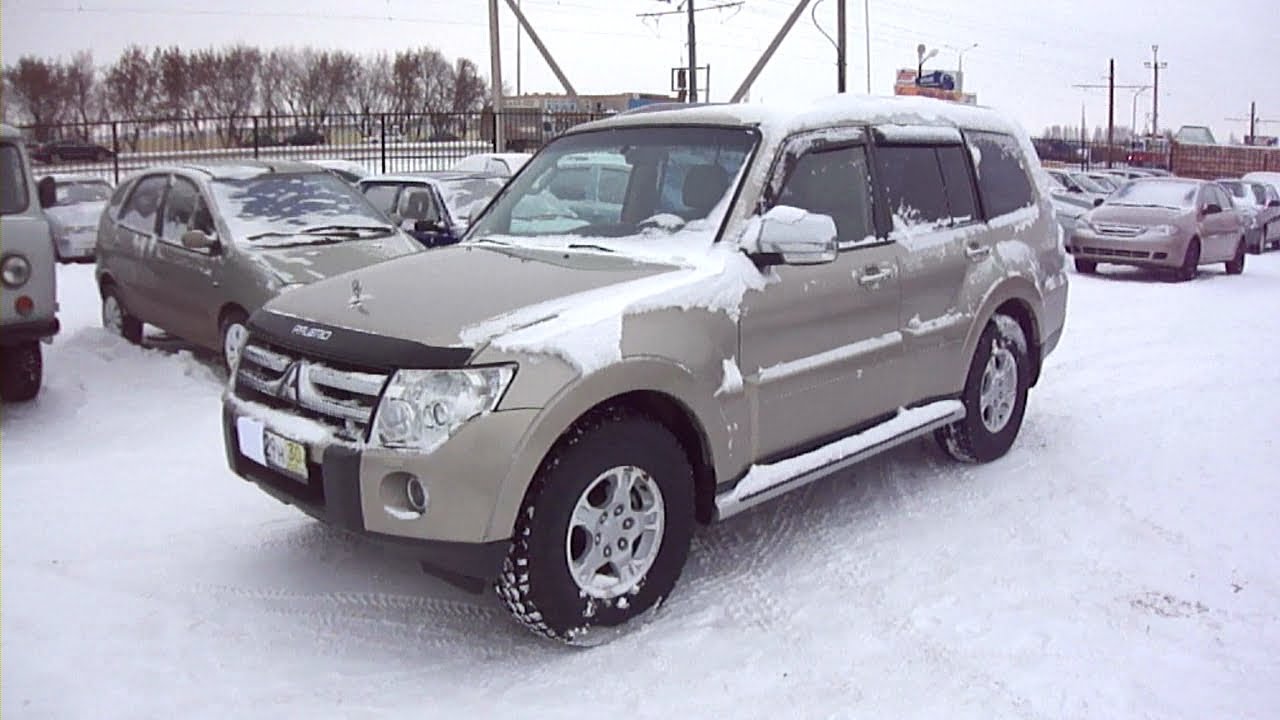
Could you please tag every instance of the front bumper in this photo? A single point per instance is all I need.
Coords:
(21, 332)
(348, 487)
(1163, 251)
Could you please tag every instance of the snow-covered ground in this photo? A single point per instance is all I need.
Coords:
(1123, 561)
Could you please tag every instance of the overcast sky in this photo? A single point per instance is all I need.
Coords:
(1220, 55)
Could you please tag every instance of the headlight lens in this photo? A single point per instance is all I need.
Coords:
(1162, 230)
(422, 408)
(15, 271)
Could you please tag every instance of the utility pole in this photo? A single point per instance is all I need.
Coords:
(866, 23)
(1156, 66)
(1111, 87)
(690, 10)
(1254, 121)
(495, 76)
(842, 46)
(518, 33)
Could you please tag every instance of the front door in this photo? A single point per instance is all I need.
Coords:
(131, 249)
(819, 345)
(191, 278)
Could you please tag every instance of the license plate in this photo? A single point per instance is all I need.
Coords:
(285, 454)
(267, 448)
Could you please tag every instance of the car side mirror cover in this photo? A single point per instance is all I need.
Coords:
(1097, 202)
(1274, 203)
(47, 192)
(796, 237)
(199, 241)
(427, 226)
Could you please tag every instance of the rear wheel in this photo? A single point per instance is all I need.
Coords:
(1235, 265)
(1190, 262)
(118, 320)
(995, 395)
(21, 372)
(1086, 267)
(604, 531)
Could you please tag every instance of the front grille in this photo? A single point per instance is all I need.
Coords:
(342, 398)
(1108, 252)
(1112, 230)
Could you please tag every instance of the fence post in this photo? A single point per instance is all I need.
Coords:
(255, 137)
(382, 119)
(494, 135)
(115, 152)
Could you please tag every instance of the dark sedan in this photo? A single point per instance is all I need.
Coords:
(63, 150)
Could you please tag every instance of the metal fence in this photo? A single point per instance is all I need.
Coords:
(1184, 159)
(382, 142)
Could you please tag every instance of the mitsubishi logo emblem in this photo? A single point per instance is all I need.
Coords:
(287, 389)
(356, 298)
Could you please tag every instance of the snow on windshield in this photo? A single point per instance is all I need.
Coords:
(283, 204)
(467, 195)
(624, 183)
(1159, 193)
(70, 193)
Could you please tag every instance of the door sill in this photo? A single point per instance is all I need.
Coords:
(767, 481)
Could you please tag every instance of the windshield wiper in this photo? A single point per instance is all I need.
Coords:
(348, 230)
(491, 241)
(589, 246)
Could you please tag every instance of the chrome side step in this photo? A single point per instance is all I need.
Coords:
(765, 482)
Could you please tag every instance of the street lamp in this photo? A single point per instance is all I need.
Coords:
(923, 53)
(960, 52)
(1133, 122)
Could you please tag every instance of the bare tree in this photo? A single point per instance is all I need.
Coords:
(133, 90)
(371, 92)
(81, 78)
(227, 85)
(35, 86)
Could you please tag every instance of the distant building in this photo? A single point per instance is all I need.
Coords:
(602, 104)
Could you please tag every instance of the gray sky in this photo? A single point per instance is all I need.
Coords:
(1029, 53)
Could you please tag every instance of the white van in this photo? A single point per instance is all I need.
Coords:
(28, 304)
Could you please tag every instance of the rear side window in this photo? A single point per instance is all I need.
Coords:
(1002, 175)
(13, 181)
(962, 199)
(383, 197)
(834, 183)
(143, 206)
(911, 181)
(184, 210)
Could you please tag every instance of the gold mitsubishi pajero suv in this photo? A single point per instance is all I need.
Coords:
(663, 319)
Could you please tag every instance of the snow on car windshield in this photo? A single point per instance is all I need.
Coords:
(624, 183)
(1156, 193)
(70, 193)
(284, 205)
(466, 195)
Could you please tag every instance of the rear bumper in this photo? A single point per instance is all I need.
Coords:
(332, 495)
(17, 333)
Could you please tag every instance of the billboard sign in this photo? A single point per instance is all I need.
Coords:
(940, 84)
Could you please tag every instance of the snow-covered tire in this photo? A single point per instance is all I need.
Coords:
(552, 536)
(21, 371)
(1190, 262)
(116, 319)
(994, 397)
(1086, 267)
(233, 332)
(1235, 265)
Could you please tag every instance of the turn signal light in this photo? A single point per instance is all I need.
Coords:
(24, 305)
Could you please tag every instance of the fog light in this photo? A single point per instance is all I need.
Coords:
(416, 493)
(24, 305)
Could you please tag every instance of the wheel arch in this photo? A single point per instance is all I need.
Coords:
(1018, 299)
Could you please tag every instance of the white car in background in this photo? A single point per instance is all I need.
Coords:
(349, 170)
(73, 219)
(500, 164)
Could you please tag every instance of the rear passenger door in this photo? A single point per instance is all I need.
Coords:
(924, 178)
(819, 348)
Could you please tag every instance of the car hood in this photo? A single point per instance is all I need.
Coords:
(84, 214)
(309, 263)
(439, 298)
(1132, 215)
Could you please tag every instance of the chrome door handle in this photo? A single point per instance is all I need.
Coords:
(977, 252)
(874, 276)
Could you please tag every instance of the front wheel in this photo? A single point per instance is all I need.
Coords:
(1190, 262)
(234, 333)
(604, 530)
(995, 395)
(1235, 265)
(116, 319)
(22, 372)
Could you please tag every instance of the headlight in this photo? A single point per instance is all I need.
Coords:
(1162, 230)
(15, 271)
(422, 408)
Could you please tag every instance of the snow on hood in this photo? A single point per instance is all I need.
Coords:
(85, 214)
(585, 329)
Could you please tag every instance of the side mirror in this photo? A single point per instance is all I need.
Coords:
(427, 226)
(47, 192)
(197, 240)
(797, 237)
(1097, 202)
(1274, 203)
(1212, 209)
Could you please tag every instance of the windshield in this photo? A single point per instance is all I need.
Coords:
(13, 182)
(1089, 184)
(1107, 184)
(277, 205)
(629, 182)
(1156, 193)
(70, 193)
(467, 195)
